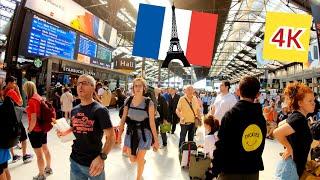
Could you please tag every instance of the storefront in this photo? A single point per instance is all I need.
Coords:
(66, 72)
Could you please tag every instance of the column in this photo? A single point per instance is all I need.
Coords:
(159, 74)
(143, 67)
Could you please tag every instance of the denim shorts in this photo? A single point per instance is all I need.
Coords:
(142, 145)
(286, 169)
(80, 172)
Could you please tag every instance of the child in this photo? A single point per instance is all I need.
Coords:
(211, 126)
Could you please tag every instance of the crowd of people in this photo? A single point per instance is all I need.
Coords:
(235, 125)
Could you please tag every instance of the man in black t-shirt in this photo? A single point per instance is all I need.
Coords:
(238, 153)
(89, 121)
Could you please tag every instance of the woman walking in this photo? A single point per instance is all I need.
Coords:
(38, 138)
(66, 103)
(139, 114)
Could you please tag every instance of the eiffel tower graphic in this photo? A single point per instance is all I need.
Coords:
(172, 54)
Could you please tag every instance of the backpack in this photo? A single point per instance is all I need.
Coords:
(106, 97)
(10, 125)
(122, 107)
(315, 130)
(47, 113)
(147, 101)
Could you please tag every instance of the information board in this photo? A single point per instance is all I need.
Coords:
(87, 47)
(47, 39)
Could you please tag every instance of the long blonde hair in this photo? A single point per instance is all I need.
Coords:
(29, 88)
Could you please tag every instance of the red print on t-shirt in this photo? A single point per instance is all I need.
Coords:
(82, 124)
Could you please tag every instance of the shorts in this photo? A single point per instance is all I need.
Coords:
(3, 166)
(142, 145)
(23, 135)
(37, 139)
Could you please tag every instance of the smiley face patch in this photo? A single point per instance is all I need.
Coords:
(251, 138)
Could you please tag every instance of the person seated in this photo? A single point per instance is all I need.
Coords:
(211, 126)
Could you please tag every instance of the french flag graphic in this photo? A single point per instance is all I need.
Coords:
(196, 32)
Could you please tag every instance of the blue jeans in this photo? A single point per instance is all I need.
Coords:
(79, 172)
(190, 129)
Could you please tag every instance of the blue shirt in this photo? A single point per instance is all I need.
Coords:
(4, 155)
(166, 96)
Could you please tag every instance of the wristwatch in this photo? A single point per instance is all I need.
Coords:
(103, 156)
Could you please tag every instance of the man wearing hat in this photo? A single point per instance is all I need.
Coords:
(57, 96)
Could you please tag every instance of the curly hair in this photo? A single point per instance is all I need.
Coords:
(295, 92)
(212, 122)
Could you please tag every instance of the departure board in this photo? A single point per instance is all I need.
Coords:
(87, 47)
(103, 54)
(43, 37)
(46, 39)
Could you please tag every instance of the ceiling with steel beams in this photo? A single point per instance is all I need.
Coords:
(243, 31)
(240, 28)
(122, 14)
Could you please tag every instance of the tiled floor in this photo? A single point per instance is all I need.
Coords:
(163, 164)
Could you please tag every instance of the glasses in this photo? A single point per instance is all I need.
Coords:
(84, 83)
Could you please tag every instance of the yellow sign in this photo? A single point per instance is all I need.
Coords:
(252, 138)
(287, 37)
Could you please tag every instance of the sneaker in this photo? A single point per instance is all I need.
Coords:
(27, 158)
(39, 177)
(48, 171)
(16, 158)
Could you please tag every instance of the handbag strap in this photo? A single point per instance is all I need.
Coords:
(190, 105)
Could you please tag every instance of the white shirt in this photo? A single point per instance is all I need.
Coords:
(66, 100)
(209, 144)
(222, 104)
(101, 90)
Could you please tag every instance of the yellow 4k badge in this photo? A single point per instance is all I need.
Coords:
(252, 138)
(287, 37)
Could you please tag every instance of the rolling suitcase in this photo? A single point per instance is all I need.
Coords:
(199, 164)
(185, 151)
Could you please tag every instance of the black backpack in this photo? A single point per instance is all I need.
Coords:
(122, 107)
(315, 130)
(10, 125)
(147, 101)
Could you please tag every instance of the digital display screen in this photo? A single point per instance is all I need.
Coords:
(46, 39)
(43, 37)
(87, 47)
(103, 54)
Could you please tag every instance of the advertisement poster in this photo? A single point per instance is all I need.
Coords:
(73, 15)
(287, 41)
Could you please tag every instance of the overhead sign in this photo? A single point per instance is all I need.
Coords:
(73, 15)
(125, 63)
(74, 70)
(195, 33)
(37, 63)
(287, 40)
(315, 6)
